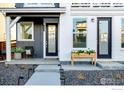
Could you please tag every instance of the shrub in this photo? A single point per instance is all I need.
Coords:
(18, 50)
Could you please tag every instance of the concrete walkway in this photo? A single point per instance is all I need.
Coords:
(48, 74)
(45, 75)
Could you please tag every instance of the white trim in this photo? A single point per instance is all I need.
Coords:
(35, 10)
(122, 49)
(97, 9)
(59, 39)
(78, 48)
(44, 43)
(44, 40)
(19, 30)
(51, 57)
(96, 12)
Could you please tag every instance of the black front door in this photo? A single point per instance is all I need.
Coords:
(104, 37)
(51, 39)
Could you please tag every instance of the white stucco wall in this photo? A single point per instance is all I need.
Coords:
(117, 51)
(66, 35)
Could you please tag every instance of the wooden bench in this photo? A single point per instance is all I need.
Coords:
(75, 56)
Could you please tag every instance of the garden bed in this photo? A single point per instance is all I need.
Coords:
(94, 77)
(9, 74)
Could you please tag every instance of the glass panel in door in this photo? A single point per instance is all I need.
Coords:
(104, 37)
(51, 39)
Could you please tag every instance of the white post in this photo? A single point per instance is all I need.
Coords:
(8, 40)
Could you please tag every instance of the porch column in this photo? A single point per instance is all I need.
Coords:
(8, 39)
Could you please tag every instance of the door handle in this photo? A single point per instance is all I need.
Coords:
(46, 43)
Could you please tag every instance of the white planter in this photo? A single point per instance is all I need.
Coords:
(17, 56)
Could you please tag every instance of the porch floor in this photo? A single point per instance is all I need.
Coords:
(84, 66)
(35, 61)
(101, 65)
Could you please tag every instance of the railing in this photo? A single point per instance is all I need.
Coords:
(3, 49)
(97, 5)
(3, 45)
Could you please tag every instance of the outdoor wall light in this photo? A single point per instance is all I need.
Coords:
(92, 20)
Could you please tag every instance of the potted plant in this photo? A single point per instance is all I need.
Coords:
(18, 52)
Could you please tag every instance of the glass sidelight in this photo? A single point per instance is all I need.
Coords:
(104, 37)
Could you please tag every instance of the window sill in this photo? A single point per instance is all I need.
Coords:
(122, 49)
(26, 40)
(79, 48)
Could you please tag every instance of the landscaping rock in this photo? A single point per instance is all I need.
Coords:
(9, 74)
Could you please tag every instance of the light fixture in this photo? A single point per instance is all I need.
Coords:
(92, 20)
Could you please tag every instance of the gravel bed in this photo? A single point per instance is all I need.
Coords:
(9, 74)
(94, 77)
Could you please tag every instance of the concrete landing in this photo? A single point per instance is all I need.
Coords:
(47, 68)
(110, 65)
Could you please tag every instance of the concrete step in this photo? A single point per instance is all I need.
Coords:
(47, 68)
(109, 65)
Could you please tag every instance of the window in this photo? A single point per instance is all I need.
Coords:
(79, 32)
(122, 33)
(26, 32)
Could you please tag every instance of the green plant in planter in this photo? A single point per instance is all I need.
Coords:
(18, 50)
(78, 51)
(88, 51)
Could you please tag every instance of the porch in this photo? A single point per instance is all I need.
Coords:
(32, 27)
